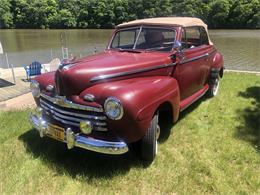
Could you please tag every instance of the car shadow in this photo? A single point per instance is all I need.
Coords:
(250, 130)
(167, 126)
(192, 107)
(77, 161)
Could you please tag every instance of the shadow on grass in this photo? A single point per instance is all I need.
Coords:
(192, 107)
(165, 122)
(250, 130)
(77, 162)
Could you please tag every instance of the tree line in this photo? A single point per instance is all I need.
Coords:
(109, 13)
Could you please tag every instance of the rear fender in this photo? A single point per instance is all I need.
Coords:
(217, 67)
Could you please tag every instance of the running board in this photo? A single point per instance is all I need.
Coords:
(193, 98)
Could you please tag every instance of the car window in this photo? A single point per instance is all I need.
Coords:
(183, 39)
(149, 38)
(125, 39)
(203, 36)
(194, 37)
(158, 39)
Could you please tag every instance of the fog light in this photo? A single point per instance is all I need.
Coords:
(86, 127)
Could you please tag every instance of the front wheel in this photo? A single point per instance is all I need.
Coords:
(213, 87)
(149, 142)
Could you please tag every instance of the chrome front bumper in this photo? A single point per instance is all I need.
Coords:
(77, 140)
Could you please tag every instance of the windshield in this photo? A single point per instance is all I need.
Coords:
(146, 38)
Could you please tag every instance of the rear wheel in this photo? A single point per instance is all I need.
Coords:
(149, 144)
(213, 87)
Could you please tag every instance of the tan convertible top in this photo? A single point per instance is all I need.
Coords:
(171, 21)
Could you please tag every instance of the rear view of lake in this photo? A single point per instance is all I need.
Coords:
(240, 48)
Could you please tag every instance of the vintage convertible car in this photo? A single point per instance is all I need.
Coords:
(110, 101)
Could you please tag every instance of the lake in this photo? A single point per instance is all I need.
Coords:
(241, 48)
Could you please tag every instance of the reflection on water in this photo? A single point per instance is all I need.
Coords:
(239, 47)
(25, 46)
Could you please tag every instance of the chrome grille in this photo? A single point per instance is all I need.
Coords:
(72, 117)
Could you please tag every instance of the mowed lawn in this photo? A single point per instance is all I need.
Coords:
(213, 149)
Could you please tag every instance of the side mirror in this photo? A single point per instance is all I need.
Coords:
(177, 46)
(179, 54)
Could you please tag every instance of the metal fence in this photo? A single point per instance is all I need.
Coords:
(21, 59)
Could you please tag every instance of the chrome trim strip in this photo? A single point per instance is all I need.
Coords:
(213, 51)
(63, 102)
(72, 139)
(66, 122)
(110, 76)
(77, 124)
(138, 35)
(194, 59)
(100, 128)
(61, 118)
(75, 119)
(72, 113)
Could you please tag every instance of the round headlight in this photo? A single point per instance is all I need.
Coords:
(113, 108)
(35, 88)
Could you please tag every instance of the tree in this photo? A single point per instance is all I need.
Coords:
(6, 17)
(243, 14)
(108, 13)
(63, 19)
(219, 13)
(34, 13)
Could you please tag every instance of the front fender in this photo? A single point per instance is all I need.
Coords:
(140, 98)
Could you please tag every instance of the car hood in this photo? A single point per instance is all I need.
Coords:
(74, 77)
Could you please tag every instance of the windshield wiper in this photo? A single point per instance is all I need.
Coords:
(129, 50)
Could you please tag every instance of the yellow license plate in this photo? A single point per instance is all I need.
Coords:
(56, 132)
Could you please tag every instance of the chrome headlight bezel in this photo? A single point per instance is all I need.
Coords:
(116, 104)
(35, 89)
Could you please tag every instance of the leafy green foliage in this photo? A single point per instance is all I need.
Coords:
(6, 17)
(108, 13)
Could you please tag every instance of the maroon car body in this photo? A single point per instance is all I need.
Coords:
(142, 81)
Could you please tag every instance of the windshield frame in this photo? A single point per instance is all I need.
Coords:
(140, 30)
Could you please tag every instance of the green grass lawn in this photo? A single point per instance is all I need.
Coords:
(213, 148)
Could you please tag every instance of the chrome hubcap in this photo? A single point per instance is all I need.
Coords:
(215, 87)
(156, 147)
(158, 130)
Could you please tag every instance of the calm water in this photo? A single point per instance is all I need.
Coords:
(241, 48)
